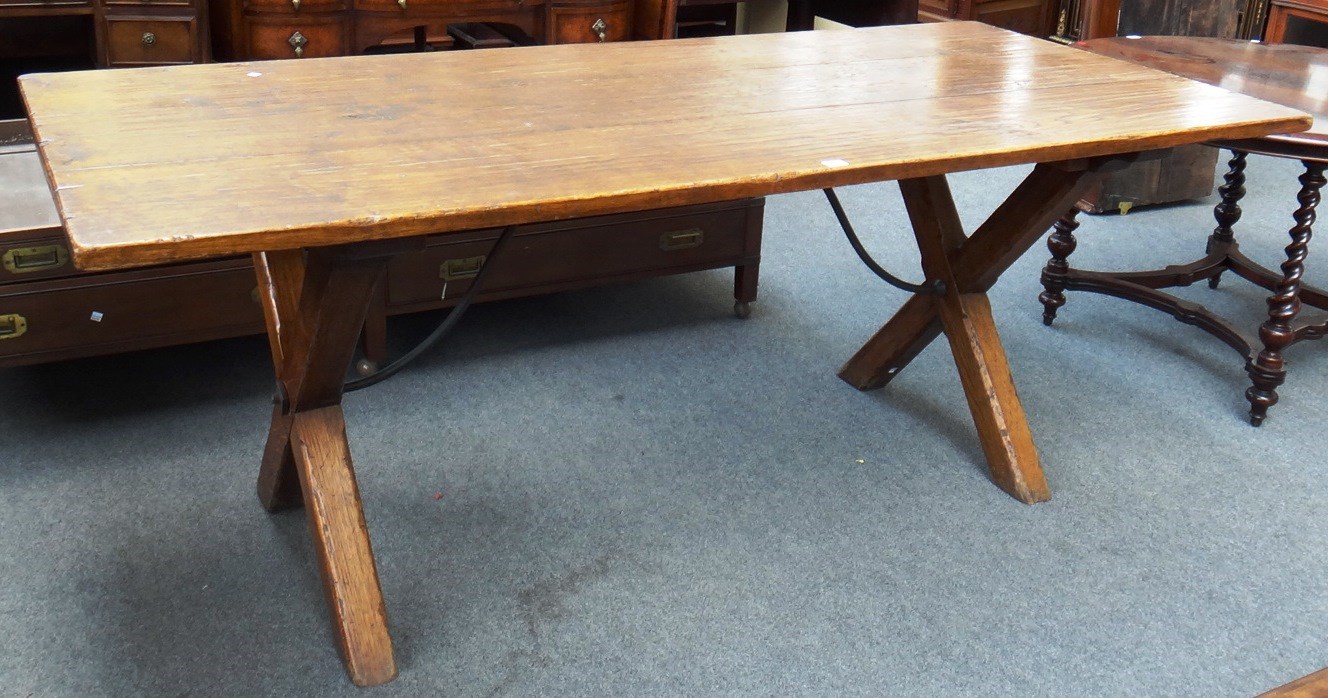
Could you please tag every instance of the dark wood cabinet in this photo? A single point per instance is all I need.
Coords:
(263, 29)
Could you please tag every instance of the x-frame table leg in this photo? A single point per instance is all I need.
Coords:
(969, 266)
(315, 303)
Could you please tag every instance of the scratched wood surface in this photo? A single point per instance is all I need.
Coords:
(156, 165)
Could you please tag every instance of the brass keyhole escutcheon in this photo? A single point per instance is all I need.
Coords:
(600, 27)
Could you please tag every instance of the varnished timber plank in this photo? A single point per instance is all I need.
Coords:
(328, 151)
(1045, 193)
(341, 537)
(320, 339)
(1311, 686)
(1019, 222)
(1002, 426)
(966, 318)
(280, 278)
(278, 480)
(913, 328)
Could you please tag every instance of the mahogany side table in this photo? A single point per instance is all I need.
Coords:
(1289, 75)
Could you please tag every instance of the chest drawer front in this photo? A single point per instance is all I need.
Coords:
(584, 24)
(310, 36)
(104, 313)
(151, 41)
(121, 5)
(296, 7)
(577, 253)
(938, 9)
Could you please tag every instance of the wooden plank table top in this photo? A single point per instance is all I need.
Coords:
(236, 158)
(325, 169)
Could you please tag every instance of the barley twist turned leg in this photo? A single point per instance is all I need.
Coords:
(1268, 370)
(1227, 211)
(1061, 243)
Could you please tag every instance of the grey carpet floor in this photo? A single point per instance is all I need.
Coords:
(626, 491)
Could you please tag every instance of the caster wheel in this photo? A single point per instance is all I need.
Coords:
(742, 309)
(366, 368)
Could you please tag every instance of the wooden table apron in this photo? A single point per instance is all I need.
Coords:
(667, 123)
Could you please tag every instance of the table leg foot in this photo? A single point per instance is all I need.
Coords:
(341, 537)
(997, 413)
(915, 326)
(1268, 369)
(1061, 244)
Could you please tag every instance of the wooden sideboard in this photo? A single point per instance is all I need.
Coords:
(261, 29)
(119, 33)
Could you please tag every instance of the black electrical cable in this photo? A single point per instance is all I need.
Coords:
(936, 287)
(443, 327)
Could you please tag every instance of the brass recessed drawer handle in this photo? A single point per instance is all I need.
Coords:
(464, 268)
(298, 42)
(149, 38)
(12, 325)
(24, 260)
(600, 27)
(682, 239)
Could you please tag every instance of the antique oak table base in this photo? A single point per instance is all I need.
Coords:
(323, 169)
(1296, 76)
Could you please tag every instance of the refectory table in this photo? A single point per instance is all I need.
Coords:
(323, 169)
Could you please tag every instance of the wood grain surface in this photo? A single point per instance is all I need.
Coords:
(1296, 76)
(167, 164)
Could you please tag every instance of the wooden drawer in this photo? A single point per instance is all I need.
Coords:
(588, 23)
(121, 4)
(295, 6)
(134, 41)
(302, 36)
(583, 252)
(122, 311)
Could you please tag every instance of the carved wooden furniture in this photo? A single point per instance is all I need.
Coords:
(259, 29)
(1285, 15)
(125, 33)
(657, 127)
(1290, 75)
(1187, 173)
